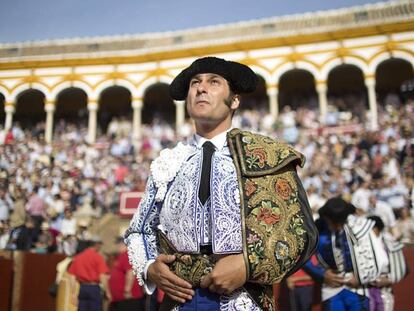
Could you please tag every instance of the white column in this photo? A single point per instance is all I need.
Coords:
(372, 100)
(272, 92)
(322, 89)
(179, 114)
(92, 124)
(136, 118)
(9, 110)
(50, 109)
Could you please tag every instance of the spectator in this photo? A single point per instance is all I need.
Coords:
(18, 214)
(405, 225)
(8, 140)
(90, 270)
(2, 135)
(56, 205)
(360, 198)
(4, 234)
(68, 226)
(5, 205)
(36, 208)
(125, 291)
(23, 236)
(315, 201)
(44, 243)
(385, 212)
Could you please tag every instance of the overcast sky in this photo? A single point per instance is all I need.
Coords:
(27, 20)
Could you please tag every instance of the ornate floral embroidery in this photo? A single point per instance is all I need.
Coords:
(267, 301)
(256, 249)
(283, 189)
(284, 154)
(253, 258)
(296, 225)
(252, 238)
(263, 277)
(282, 250)
(247, 139)
(256, 158)
(267, 214)
(250, 187)
(261, 153)
(275, 218)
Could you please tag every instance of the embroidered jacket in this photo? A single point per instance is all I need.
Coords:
(171, 203)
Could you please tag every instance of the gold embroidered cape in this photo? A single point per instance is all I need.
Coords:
(279, 234)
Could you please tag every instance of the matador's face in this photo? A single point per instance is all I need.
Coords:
(210, 100)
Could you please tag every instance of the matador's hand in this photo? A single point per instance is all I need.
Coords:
(228, 274)
(173, 286)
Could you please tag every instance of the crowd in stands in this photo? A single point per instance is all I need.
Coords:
(50, 194)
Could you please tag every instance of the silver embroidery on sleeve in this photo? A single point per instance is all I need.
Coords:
(140, 236)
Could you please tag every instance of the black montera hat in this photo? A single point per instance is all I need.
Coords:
(240, 77)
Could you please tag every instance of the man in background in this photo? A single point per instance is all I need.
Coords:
(91, 271)
(125, 291)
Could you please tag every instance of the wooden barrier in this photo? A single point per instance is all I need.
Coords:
(6, 280)
(404, 289)
(34, 274)
(26, 288)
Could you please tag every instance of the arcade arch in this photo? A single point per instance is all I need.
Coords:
(390, 74)
(71, 106)
(114, 103)
(347, 93)
(297, 89)
(258, 100)
(158, 105)
(29, 109)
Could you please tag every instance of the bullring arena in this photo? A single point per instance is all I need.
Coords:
(81, 120)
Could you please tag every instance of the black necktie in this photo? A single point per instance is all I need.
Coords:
(204, 191)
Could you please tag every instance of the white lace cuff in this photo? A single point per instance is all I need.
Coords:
(148, 285)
